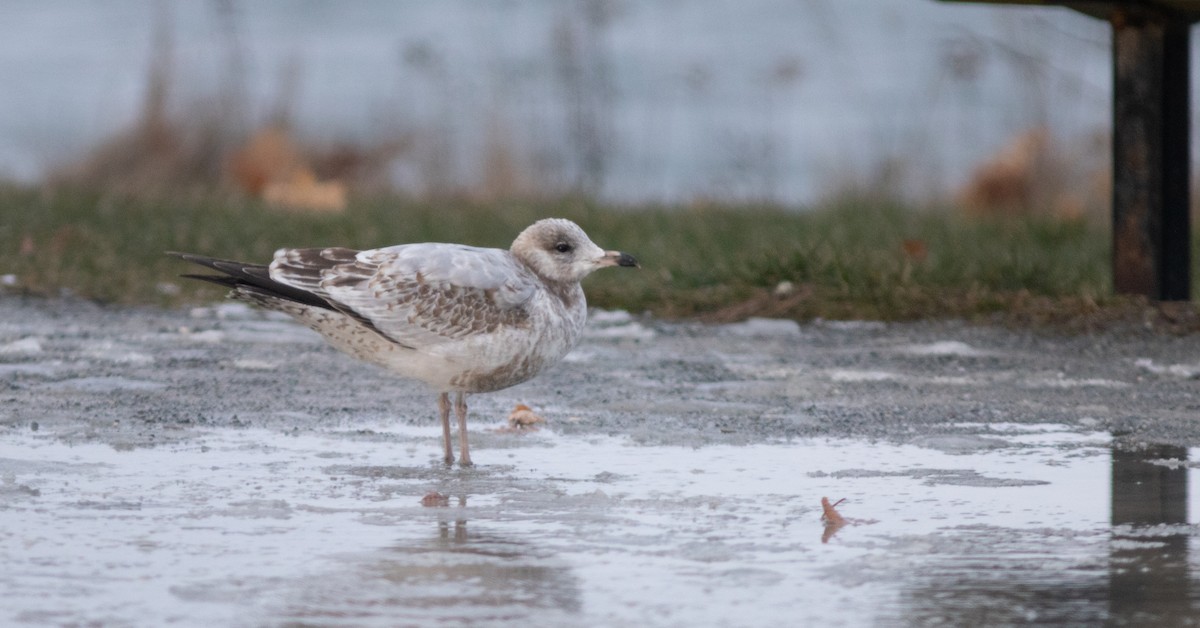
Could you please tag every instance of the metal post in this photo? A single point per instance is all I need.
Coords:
(1151, 156)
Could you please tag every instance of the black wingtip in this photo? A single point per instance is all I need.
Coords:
(203, 260)
(191, 257)
(221, 280)
(245, 276)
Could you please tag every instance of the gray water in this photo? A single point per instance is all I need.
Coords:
(220, 466)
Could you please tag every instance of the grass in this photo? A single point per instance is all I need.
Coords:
(852, 259)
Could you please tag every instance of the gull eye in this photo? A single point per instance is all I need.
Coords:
(563, 247)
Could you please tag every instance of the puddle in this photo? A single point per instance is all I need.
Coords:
(225, 467)
(256, 527)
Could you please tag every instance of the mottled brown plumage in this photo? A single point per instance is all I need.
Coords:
(461, 319)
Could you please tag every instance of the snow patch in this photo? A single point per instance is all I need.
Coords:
(946, 348)
(31, 369)
(24, 346)
(852, 325)
(609, 317)
(1171, 463)
(632, 331)
(763, 328)
(108, 351)
(1065, 382)
(210, 336)
(254, 365)
(851, 375)
(231, 311)
(949, 380)
(616, 324)
(579, 356)
(1183, 371)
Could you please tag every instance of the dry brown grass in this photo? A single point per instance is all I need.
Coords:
(1034, 174)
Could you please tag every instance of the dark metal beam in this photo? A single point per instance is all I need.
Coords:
(1151, 155)
(1182, 9)
(1151, 135)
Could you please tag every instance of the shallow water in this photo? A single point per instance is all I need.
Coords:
(259, 527)
(224, 467)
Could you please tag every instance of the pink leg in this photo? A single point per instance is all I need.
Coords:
(460, 408)
(444, 408)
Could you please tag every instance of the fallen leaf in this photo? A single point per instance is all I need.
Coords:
(522, 417)
(829, 514)
(435, 499)
(834, 521)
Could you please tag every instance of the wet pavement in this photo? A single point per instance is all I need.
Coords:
(219, 466)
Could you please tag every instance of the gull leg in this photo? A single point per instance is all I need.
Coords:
(460, 408)
(444, 409)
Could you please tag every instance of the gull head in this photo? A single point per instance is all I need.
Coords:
(558, 250)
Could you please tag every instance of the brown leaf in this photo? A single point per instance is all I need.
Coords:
(833, 520)
(522, 417)
(829, 514)
(435, 499)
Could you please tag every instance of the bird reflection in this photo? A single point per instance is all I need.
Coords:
(469, 567)
(459, 573)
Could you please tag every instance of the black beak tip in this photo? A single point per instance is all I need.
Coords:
(628, 260)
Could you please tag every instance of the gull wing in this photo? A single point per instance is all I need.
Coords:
(416, 295)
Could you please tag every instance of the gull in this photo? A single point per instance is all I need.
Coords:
(461, 319)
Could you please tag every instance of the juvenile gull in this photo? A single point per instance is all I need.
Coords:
(461, 319)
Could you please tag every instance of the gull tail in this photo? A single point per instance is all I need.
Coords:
(252, 280)
(253, 283)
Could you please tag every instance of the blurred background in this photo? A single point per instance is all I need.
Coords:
(659, 101)
(854, 158)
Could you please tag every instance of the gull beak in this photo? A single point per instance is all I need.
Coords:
(617, 258)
